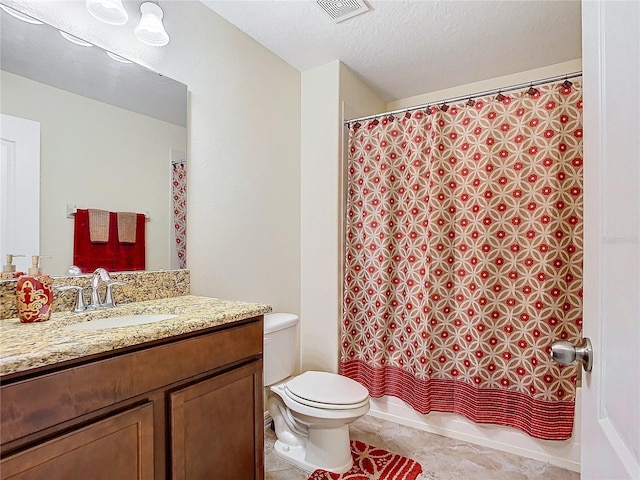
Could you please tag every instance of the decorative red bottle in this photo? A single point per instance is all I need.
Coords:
(34, 294)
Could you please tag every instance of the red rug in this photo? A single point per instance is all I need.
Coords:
(373, 463)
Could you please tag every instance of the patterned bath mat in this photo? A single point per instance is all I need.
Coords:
(373, 463)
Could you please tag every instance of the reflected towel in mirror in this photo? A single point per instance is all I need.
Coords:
(113, 255)
(126, 227)
(98, 225)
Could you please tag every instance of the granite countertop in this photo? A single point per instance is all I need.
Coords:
(24, 346)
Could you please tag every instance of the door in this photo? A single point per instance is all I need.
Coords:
(118, 447)
(217, 427)
(611, 395)
(19, 189)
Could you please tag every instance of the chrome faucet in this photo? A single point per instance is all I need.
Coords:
(96, 301)
(98, 274)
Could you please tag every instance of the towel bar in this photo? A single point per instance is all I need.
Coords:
(71, 212)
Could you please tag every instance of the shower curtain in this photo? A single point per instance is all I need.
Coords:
(179, 200)
(463, 257)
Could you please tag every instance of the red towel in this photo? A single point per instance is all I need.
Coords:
(131, 256)
(89, 256)
(112, 256)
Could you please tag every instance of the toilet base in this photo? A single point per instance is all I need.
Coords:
(297, 455)
(311, 442)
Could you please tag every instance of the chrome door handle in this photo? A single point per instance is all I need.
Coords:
(564, 353)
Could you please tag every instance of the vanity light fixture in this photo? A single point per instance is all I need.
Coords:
(118, 58)
(76, 40)
(150, 30)
(109, 11)
(20, 16)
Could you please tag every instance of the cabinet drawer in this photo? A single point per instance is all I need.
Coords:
(32, 405)
(120, 446)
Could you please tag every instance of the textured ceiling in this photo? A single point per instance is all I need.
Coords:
(404, 48)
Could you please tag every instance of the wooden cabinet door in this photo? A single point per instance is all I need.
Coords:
(217, 427)
(118, 447)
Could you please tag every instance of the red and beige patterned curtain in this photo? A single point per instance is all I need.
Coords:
(463, 257)
(179, 200)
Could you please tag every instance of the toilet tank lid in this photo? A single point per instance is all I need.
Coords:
(278, 321)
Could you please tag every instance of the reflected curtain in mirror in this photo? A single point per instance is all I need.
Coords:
(179, 198)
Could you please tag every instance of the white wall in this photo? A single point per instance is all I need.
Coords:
(94, 155)
(244, 179)
(357, 98)
(326, 92)
(243, 220)
(489, 84)
(319, 184)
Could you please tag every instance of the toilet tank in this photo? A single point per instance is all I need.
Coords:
(279, 346)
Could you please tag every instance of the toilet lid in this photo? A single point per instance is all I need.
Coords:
(323, 389)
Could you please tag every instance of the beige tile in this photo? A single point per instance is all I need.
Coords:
(275, 468)
(442, 458)
(289, 474)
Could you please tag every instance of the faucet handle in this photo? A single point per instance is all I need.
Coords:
(108, 297)
(80, 305)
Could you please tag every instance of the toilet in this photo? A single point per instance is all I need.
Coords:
(312, 411)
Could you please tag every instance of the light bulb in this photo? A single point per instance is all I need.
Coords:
(150, 29)
(109, 11)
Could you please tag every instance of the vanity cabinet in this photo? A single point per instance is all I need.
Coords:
(186, 407)
(119, 446)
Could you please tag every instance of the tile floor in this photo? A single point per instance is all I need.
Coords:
(441, 458)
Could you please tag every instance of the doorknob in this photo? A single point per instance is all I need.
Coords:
(564, 353)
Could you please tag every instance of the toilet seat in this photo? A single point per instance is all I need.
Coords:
(326, 391)
(324, 406)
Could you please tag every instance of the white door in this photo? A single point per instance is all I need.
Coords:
(19, 189)
(611, 396)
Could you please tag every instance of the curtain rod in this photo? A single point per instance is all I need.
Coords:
(466, 97)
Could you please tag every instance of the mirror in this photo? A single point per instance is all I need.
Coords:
(110, 133)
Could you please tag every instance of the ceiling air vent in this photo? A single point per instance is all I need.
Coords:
(340, 10)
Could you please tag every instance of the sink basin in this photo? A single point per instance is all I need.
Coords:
(123, 321)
